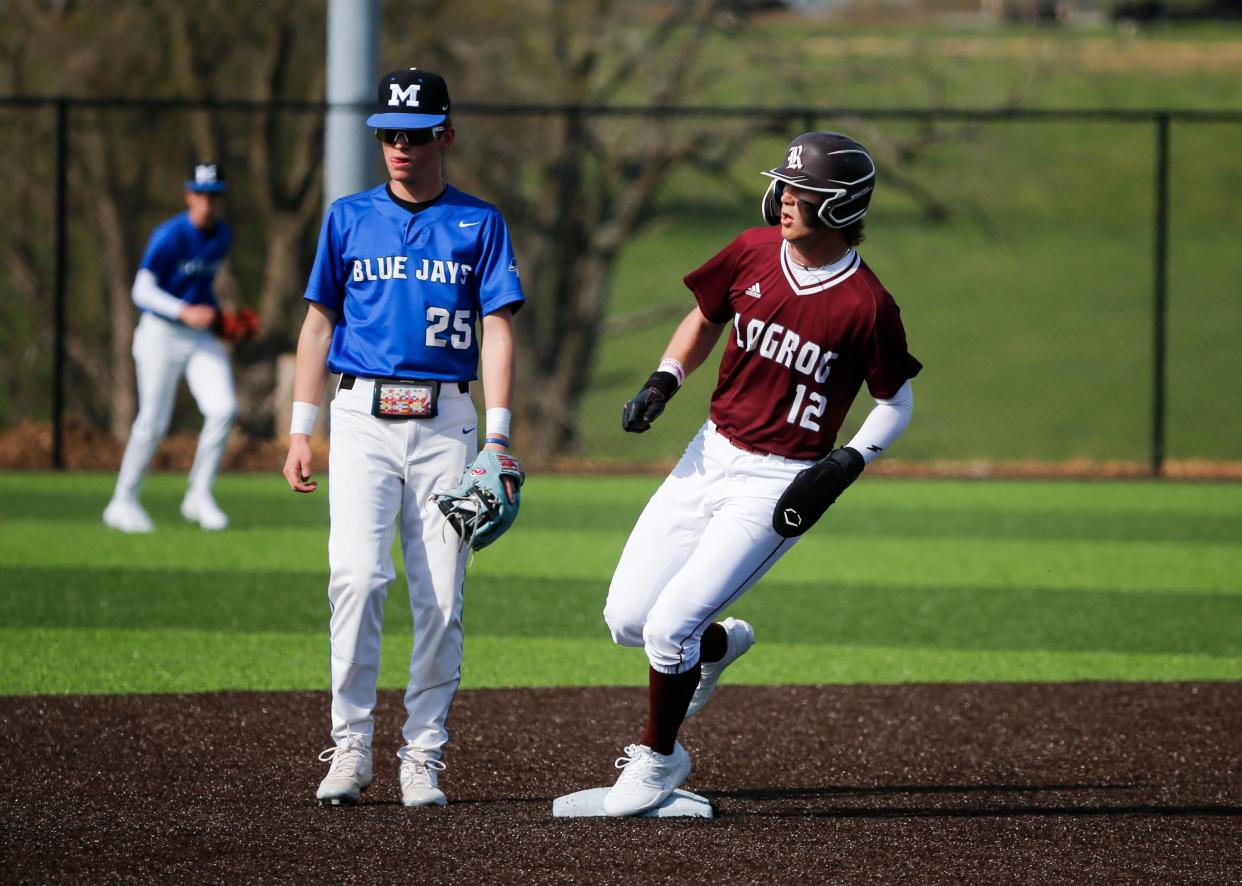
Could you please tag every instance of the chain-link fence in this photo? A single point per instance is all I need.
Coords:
(1068, 279)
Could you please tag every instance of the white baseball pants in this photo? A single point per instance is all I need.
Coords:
(164, 351)
(381, 475)
(703, 540)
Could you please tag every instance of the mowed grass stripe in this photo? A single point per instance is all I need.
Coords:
(24, 543)
(827, 558)
(91, 662)
(261, 499)
(961, 617)
(816, 572)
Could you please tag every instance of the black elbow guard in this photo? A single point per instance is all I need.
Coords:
(814, 490)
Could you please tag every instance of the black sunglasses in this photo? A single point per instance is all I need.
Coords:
(409, 136)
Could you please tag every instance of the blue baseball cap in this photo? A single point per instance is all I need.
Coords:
(206, 178)
(410, 99)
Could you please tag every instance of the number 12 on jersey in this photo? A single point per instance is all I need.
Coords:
(815, 406)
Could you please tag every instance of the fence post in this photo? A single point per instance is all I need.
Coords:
(58, 306)
(1160, 295)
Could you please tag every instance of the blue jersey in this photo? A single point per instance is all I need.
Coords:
(409, 288)
(185, 259)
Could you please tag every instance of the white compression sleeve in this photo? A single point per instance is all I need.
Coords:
(884, 423)
(147, 294)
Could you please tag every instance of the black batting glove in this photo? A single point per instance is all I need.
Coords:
(649, 402)
(814, 490)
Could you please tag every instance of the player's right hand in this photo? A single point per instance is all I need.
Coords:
(298, 464)
(197, 316)
(648, 404)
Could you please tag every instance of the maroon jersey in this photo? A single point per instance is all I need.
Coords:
(797, 355)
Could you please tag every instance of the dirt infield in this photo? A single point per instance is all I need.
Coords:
(1031, 783)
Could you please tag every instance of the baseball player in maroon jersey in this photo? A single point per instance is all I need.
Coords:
(808, 324)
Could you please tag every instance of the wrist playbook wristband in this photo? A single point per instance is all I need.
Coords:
(668, 364)
(303, 420)
(498, 420)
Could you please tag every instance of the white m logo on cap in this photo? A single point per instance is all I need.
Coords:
(408, 96)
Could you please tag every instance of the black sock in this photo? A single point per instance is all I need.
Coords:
(714, 643)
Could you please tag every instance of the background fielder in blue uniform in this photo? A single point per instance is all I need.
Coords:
(405, 276)
(174, 290)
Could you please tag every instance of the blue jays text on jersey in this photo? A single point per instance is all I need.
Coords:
(185, 259)
(409, 288)
(393, 267)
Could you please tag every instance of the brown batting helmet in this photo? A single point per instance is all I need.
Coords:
(828, 163)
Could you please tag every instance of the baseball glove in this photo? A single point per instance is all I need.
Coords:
(814, 490)
(648, 404)
(478, 509)
(236, 325)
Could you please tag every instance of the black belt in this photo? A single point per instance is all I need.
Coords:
(347, 383)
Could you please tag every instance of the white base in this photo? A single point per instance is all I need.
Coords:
(680, 804)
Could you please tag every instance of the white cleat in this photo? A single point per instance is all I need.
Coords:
(420, 781)
(348, 776)
(127, 516)
(741, 637)
(647, 779)
(203, 510)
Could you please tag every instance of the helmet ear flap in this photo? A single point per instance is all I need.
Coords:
(824, 214)
(771, 205)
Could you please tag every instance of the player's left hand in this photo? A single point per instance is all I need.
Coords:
(511, 485)
(484, 505)
(814, 490)
(648, 404)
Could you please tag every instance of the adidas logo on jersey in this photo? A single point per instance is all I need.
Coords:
(753, 290)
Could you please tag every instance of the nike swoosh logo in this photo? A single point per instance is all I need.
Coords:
(467, 430)
(467, 224)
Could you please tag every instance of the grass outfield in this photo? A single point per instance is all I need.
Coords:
(1031, 307)
(905, 581)
(1031, 304)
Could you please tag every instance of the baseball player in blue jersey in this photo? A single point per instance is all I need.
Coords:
(404, 277)
(173, 289)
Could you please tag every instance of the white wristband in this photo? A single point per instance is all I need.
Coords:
(304, 415)
(498, 419)
(668, 364)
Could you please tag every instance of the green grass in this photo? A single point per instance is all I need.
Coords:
(903, 581)
(933, 64)
(1031, 305)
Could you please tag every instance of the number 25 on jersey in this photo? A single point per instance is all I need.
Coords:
(438, 336)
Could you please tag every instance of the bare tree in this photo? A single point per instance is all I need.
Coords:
(562, 103)
(575, 186)
(283, 154)
(127, 164)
